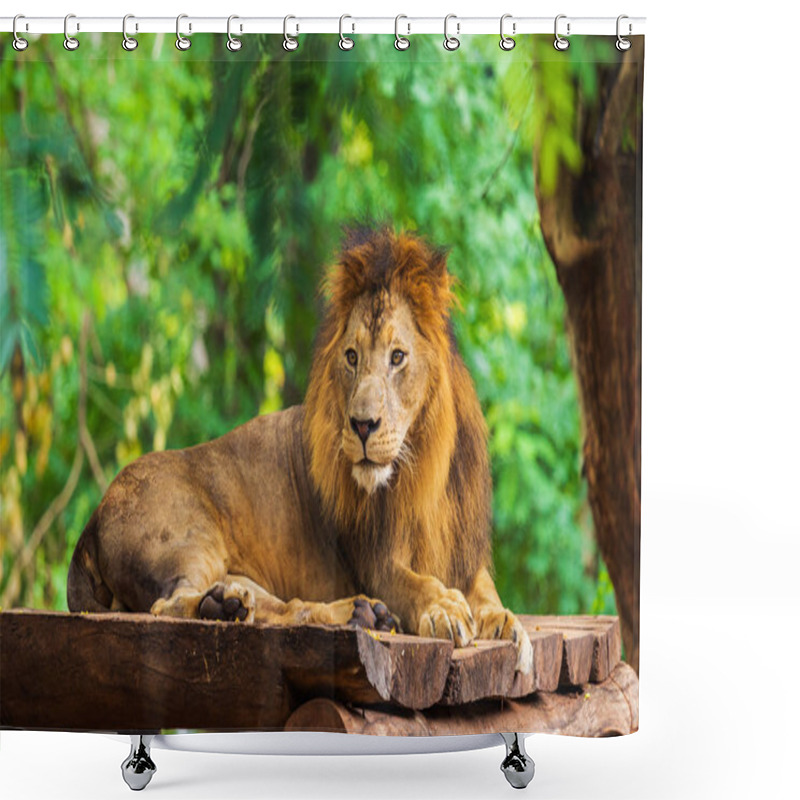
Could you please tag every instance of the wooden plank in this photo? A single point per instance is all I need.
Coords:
(608, 647)
(134, 671)
(484, 669)
(576, 666)
(99, 672)
(365, 666)
(605, 644)
(594, 710)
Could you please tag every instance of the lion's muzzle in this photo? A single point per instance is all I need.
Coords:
(364, 427)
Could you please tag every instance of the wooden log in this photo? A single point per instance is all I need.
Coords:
(364, 666)
(548, 652)
(484, 669)
(607, 650)
(586, 639)
(576, 666)
(118, 672)
(595, 710)
(134, 671)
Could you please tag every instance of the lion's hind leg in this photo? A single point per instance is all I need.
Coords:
(226, 599)
(184, 602)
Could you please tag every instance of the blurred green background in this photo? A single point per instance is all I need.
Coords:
(166, 218)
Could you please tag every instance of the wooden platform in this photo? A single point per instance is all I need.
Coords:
(119, 672)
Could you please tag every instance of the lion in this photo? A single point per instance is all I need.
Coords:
(370, 504)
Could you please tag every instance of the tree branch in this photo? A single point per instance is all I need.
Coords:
(61, 501)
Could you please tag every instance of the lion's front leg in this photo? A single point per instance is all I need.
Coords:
(494, 621)
(428, 608)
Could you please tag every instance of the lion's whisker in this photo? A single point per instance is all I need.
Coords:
(407, 457)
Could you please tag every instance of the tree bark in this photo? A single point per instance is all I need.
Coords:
(591, 223)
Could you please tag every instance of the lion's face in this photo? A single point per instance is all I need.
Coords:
(384, 374)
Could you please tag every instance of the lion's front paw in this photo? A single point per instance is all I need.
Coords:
(500, 623)
(373, 614)
(228, 602)
(449, 617)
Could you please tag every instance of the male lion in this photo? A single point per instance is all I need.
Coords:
(377, 487)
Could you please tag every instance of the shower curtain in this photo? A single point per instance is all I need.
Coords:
(321, 385)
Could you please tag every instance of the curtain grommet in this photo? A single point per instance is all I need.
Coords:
(560, 42)
(233, 44)
(70, 42)
(345, 42)
(622, 44)
(181, 42)
(128, 42)
(451, 43)
(400, 42)
(506, 42)
(19, 44)
(290, 43)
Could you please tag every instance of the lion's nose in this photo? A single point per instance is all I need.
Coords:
(364, 427)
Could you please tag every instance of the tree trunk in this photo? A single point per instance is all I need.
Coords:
(591, 224)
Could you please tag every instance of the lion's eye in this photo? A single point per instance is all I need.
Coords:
(397, 357)
(351, 356)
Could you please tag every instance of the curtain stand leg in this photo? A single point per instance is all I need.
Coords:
(138, 768)
(517, 766)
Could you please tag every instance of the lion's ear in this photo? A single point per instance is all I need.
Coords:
(345, 281)
(439, 270)
(442, 279)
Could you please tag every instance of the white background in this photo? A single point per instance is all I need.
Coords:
(720, 600)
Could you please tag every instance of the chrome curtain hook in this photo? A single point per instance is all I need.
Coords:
(400, 42)
(70, 43)
(128, 43)
(506, 42)
(19, 44)
(451, 42)
(233, 44)
(181, 42)
(622, 43)
(289, 42)
(345, 42)
(560, 43)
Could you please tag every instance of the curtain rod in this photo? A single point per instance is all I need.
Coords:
(406, 25)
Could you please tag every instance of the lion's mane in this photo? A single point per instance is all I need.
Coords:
(435, 514)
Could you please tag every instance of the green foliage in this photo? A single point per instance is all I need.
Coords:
(560, 88)
(166, 219)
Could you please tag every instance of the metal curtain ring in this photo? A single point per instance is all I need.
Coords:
(560, 43)
(289, 42)
(70, 43)
(451, 42)
(19, 44)
(506, 42)
(233, 44)
(345, 42)
(128, 43)
(622, 43)
(181, 42)
(400, 42)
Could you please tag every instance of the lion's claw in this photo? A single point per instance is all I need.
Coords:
(499, 623)
(448, 618)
